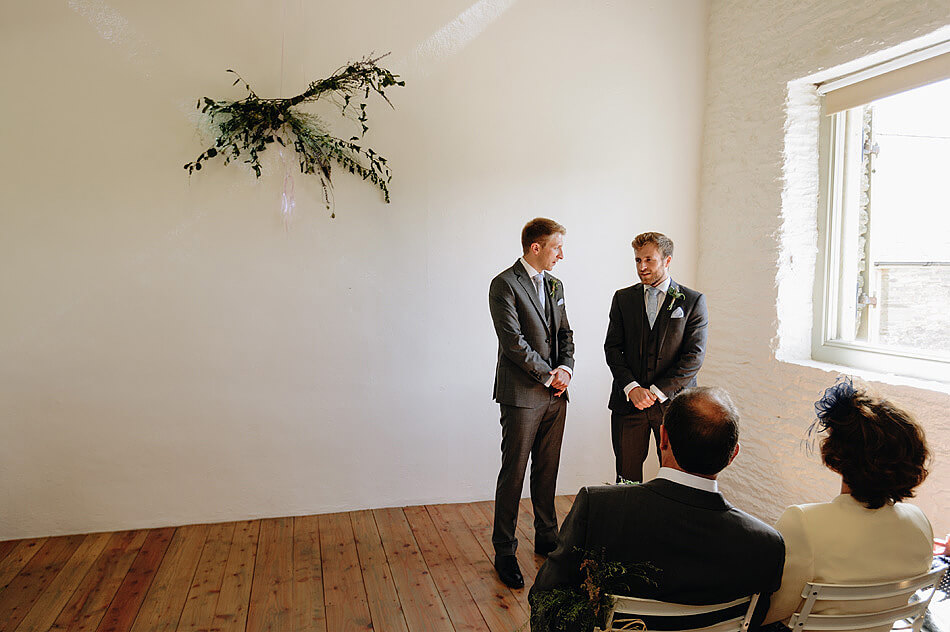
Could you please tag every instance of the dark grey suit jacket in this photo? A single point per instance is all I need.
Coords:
(682, 344)
(526, 343)
(704, 549)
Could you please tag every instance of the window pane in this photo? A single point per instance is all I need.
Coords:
(895, 219)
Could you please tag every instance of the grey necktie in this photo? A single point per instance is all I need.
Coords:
(539, 285)
(653, 304)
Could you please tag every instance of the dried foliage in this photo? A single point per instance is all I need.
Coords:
(246, 128)
(583, 607)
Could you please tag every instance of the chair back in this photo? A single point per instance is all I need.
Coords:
(912, 613)
(636, 607)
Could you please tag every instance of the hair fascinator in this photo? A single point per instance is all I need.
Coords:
(835, 404)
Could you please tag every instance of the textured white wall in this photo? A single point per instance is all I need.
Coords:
(169, 353)
(755, 48)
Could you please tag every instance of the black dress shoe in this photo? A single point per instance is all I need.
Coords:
(543, 548)
(508, 571)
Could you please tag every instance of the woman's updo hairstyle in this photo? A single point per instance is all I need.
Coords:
(877, 447)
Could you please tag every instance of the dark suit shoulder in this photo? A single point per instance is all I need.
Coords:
(636, 288)
(613, 495)
(689, 292)
(753, 525)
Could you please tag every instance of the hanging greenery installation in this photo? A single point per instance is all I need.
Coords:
(246, 128)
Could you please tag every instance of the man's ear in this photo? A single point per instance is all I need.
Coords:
(734, 454)
(665, 438)
(669, 260)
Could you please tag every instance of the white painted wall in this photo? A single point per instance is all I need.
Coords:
(170, 354)
(756, 47)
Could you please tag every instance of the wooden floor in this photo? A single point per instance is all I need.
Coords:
(402, 570)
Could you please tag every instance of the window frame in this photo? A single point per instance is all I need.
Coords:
(857, 354)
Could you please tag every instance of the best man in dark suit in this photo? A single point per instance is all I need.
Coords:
(656, 341)
(703, 549)
(535, 363)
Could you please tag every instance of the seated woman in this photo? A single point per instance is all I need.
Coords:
(866, 534)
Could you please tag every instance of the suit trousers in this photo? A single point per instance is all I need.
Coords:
(534, 432)
(630, 435)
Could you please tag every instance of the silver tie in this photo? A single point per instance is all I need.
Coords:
(539, 284)
(653, 304)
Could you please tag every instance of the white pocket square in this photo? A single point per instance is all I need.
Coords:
(560, 301)
(677, 313)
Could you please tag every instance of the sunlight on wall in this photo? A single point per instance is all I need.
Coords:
(454, 36)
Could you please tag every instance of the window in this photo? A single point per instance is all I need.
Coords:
(883, 286)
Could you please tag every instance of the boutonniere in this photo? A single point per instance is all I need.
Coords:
(674, 294)
(554, 284)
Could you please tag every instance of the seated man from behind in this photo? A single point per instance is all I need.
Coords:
(703, 549)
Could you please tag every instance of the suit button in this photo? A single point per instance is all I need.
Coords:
(547, 341)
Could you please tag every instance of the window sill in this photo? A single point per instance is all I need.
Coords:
(870, 375)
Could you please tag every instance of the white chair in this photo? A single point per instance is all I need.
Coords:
(911, 615)
(635, 607)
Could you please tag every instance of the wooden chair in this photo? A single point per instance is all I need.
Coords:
(636, 607)
(911, 615)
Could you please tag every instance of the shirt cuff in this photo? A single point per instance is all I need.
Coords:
(659, 394)
(629, 387)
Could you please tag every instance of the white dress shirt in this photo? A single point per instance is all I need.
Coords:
(690, 480)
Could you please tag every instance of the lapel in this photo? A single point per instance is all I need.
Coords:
(550, 298)
(639, 309)
(531, 290)
(663, 318)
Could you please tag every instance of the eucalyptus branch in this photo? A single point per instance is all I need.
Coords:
(246, 128)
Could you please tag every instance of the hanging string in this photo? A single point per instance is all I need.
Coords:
(288, 200)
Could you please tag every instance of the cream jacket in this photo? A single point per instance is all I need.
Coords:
(845, 542)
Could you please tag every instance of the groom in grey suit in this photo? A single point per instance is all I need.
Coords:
(535, 364)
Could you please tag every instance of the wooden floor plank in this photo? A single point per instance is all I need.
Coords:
(166, 596)
(562, 506)
(420, 599)
(18, 557)
(381, 597)
(309, 613)
(344, 592)
(52, 601)
(231, 610)
(499, 607)
(92, 598)
(459, 605)
(5, 547)
(24, 590)
(270, 608)
(417, 569)
(128, 599)
(478, 518)
(198, 612)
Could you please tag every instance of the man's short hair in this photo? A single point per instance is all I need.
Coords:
(702, 424)
(663, 243)
(539, 230)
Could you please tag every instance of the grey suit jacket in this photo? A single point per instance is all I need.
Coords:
(704, 549)
(526, 343)
(682, 343)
